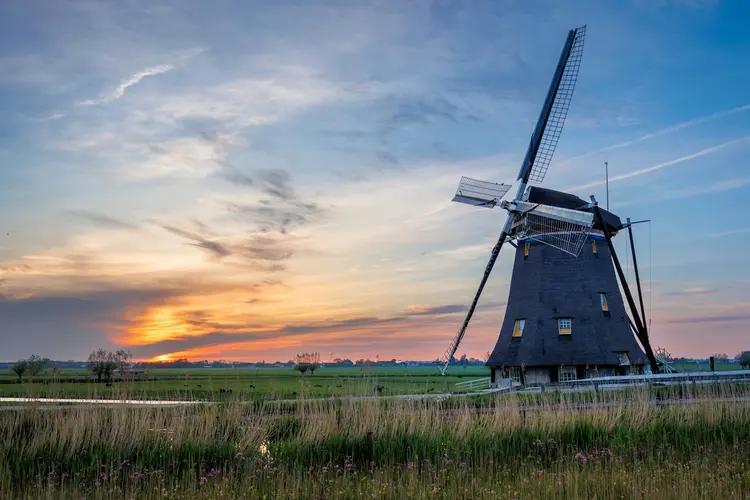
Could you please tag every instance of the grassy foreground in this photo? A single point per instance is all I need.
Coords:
(426, 448)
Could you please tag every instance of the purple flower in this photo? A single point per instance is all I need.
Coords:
(539, 444)
(410, 465)
(435, 489)
(581, 457)
(103, 477)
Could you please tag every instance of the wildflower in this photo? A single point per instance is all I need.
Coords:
(539, 474)
(539, 444)
(204, 479)
(581, 457)
(595, 452)
(136, 475)
(435, 489)
(103, 477)
(410, 465)
(325, 468)
(449, 462)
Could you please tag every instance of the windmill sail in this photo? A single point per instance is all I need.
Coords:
(555, 109)
(479, 193)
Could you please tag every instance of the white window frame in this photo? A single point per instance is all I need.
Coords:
(515, 374)
(567, 373)
(560, 326)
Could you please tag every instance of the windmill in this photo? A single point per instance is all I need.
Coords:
(554, 285)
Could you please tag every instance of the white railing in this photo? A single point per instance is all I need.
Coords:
(474, 385)
(663, 378)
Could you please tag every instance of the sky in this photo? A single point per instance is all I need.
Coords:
(249, 180)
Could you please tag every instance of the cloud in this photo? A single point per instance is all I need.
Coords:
(102, 220)
(733, 232)
(716, 187)
(712, 319)
(421, 310)
(214, 248)
(659, 166)
(694, 291)
(119, 91)
(658, 133)
(282, 212)
(366, 329)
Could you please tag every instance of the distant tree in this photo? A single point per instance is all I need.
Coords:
(19, 368)
(314, 360)
(307, 361)
(102, 363)
(463, 360)
(721, 356)
(745, 359)
(34, 365)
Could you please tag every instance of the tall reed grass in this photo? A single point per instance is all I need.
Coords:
(674, 444)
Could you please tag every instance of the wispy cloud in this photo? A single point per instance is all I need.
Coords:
(716, 187)
(733, 232)
(102, 220)
(698, 290)
(659, 166)
(658, 133)
(120, 89)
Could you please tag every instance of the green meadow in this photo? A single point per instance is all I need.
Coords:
(250, 383)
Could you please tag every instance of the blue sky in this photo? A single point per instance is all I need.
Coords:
(251, 179)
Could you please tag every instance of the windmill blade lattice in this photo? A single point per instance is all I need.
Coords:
(563, 235)
(559, 111)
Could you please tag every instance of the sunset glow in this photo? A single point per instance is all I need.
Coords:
(284, 184)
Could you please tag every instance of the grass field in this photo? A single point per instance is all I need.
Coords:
(509, 447)
(253, 383)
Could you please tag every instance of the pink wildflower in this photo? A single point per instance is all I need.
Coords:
(581, 457)
(539, 444)
(204, 479)
(103, 477)
(435, 489)
(410, 465)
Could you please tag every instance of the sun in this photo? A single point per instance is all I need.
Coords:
(163, 357)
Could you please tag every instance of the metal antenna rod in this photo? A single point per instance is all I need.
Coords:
(606, 181)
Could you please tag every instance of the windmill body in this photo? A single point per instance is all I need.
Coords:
(565, 318)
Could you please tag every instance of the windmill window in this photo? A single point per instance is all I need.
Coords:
(603, 299)
(565, 326)
(567, 373)
(515, 374)
(518, 327)
(593, 246)
(622, 356)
